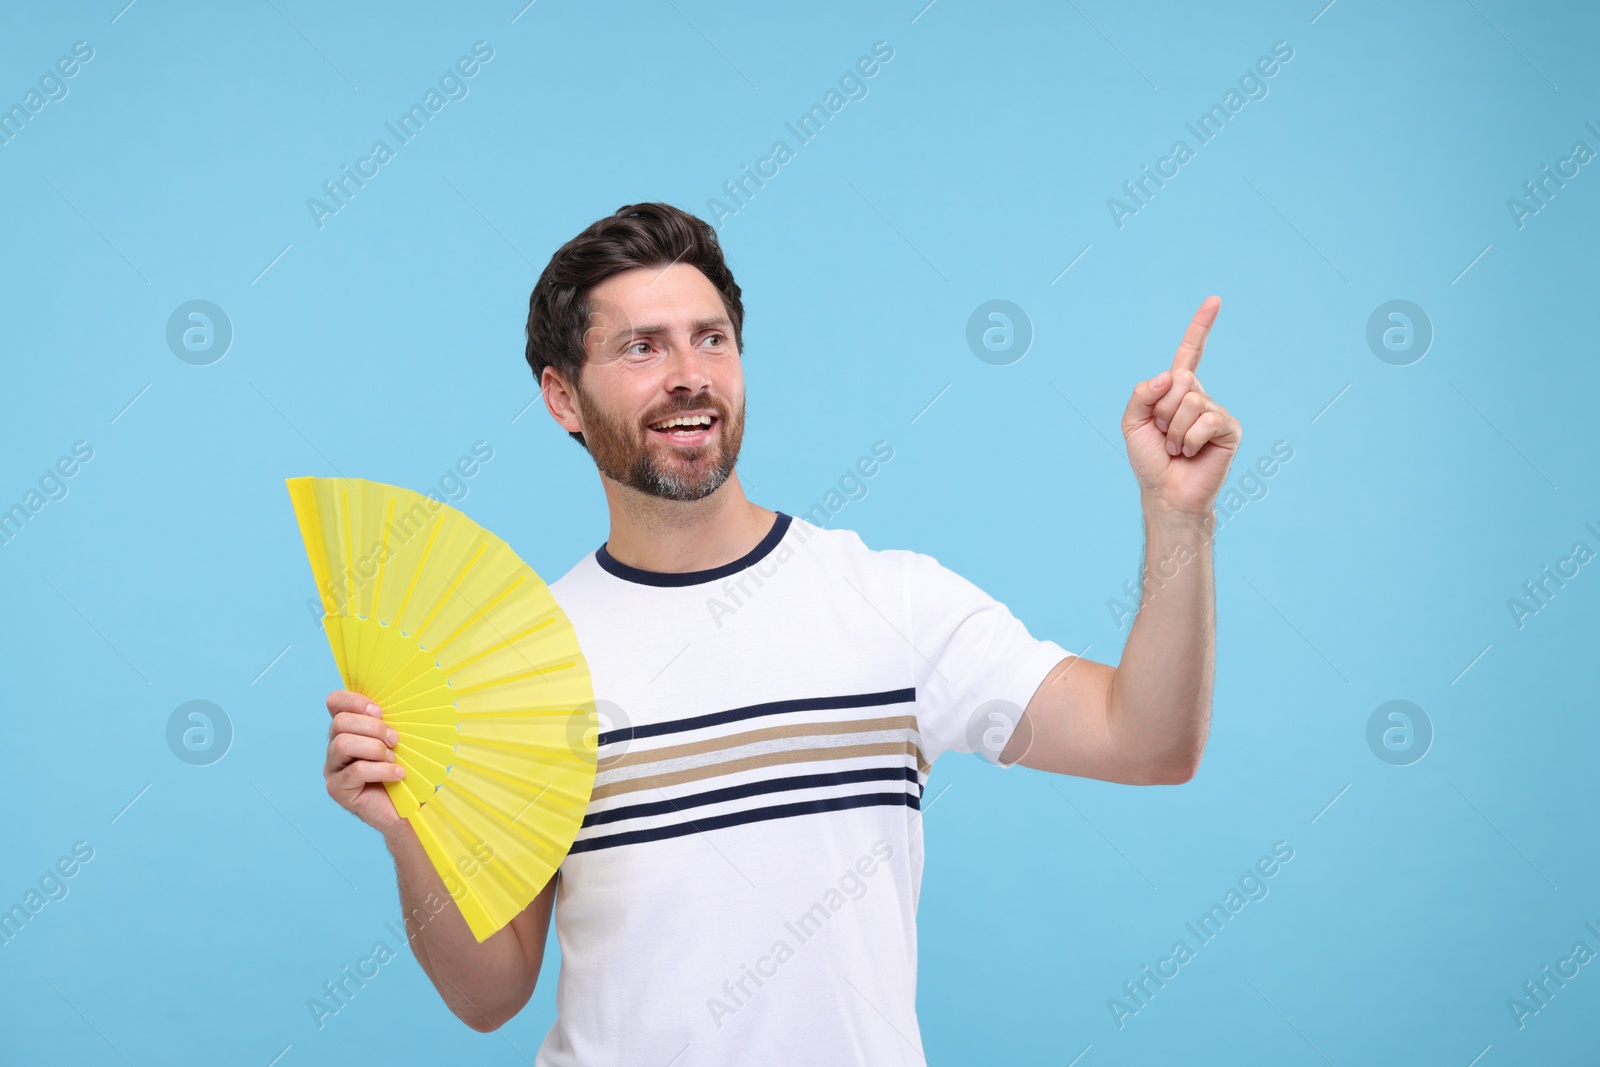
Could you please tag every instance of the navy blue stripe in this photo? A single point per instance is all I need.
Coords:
(750, 789)
(738, 818)
(780, 526)
(751, 711)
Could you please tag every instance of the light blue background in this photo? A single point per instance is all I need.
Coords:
(383, 345)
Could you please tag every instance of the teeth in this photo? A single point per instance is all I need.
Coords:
(683, 420)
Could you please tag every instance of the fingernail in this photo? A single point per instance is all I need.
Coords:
(1172, 448)
(400, 772)
(1161, 424)
(393, 737)
(388, 755)
(372, 709)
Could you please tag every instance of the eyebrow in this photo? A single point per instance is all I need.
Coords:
(651, 330)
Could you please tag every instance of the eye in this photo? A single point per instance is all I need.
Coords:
(636, 344)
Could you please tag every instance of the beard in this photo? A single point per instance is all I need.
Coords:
(627, 452)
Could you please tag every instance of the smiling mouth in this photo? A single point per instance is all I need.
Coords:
(697, 432)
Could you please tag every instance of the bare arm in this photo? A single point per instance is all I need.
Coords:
(1145, 722)
(1159, 699)
(483, 983)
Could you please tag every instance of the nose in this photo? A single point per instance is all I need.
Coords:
(685, 368)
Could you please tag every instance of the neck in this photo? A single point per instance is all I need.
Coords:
(674, 536)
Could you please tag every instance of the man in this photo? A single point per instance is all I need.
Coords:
(744, 886)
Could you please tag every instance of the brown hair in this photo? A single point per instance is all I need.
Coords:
(637, 235)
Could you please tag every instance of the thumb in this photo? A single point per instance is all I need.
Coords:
(1145, 396)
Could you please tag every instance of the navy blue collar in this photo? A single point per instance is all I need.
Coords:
(780, 526)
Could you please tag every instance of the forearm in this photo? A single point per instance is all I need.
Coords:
(483, 983)
(1160, 698)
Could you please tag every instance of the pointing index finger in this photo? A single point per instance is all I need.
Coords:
(1193, 345)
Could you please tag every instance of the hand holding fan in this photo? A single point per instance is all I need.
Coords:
(477, 669)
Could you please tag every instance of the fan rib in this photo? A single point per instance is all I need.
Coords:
(413, 761)
(534, 837)
(440, 752)
(399, 660)
(541, 754)
(441, 733)
(432, 831)
(411, 795)
(303, 495)
(482, 616)
(514, 640)
(509, 678)
(455, 586)
(353, 644)
(419, 570)
(419, 682)
(516, 892)
(383, 556)
(536, 709)
(498, 903)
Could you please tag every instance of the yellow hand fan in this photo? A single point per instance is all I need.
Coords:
(476, 668)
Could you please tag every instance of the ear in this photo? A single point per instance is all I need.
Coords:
(561, 399)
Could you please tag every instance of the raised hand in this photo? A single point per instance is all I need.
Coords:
(1180, 441)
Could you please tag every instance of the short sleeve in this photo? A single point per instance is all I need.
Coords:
(976, 665)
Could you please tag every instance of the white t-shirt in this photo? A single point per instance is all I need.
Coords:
(744, 887)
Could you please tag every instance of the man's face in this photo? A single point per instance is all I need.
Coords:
(659, 346)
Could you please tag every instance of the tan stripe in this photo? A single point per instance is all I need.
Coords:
(797, 729)
(765, 759)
